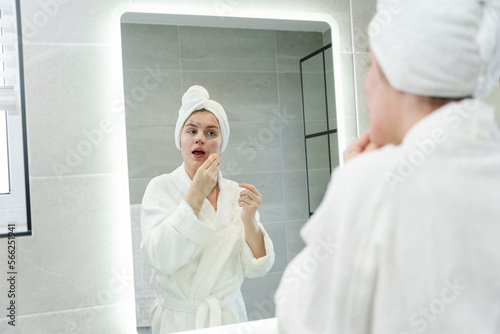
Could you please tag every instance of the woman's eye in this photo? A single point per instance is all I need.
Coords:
(213, 134)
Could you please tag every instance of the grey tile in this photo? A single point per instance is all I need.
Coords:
(315, 111)
(151, 151)
(227, 49)
(254, 147)
(156, 102)
(258, 294)
(290, 97)
(270, 185)
(327, 36)
(331, 101)
(296, 195)
(328, 53)
(244, 96)
(294, 242)
(334, 150)
(82, 269)
(339, 10)
(291, 46)
(362, 13)
(73, 125)
(362, 65)
(317, 152)
(69, 21)
(293, 152)
(318, 182)
(277, 233)
(150, 45)
(137, 187)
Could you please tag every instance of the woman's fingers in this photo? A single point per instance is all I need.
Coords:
(251, 196)
(361, 144)
(251, 188)
(210, 163)
(207, 174)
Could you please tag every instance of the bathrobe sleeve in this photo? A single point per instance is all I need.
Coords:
(172, 234)
(258, 267)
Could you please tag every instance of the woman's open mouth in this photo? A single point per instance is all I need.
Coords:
(198, 153)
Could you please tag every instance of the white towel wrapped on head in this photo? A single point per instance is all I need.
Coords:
(438, 48)
(197, 98)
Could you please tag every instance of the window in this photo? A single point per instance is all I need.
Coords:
(14, 182)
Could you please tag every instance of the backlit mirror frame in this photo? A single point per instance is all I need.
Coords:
(179, 16)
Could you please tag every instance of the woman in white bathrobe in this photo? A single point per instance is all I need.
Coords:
(406, 239)
(201, 232)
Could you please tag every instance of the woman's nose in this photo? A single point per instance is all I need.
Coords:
(200, 138)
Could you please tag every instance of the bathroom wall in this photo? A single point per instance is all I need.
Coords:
(255, 75)
(74, 272)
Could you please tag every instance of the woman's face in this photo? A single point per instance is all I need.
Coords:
(200, 137)
(381, 102)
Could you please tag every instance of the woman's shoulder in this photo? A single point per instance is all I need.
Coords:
(166, 181)
(162, 179)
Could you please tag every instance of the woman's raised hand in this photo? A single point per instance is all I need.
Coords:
(249, 200)
(360, 145)
(205, 178)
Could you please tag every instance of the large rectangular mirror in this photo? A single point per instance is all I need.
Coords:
(251, 67)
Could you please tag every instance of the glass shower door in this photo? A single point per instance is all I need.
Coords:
(320, 124)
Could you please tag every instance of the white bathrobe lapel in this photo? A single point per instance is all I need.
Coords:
(216, 250)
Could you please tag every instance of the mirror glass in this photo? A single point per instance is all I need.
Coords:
(254, 73)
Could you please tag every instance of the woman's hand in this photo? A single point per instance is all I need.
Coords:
(360, 145)
(205, 178)
(204, 181)
(249, 200)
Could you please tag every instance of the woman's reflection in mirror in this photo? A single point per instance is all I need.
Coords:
(201, 232)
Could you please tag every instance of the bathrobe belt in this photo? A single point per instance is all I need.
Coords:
(209, 307)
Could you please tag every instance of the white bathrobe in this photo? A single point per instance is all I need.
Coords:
(199, 263)
(407, 238)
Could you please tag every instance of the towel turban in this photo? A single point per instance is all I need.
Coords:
(197, 98)
(438, 48)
